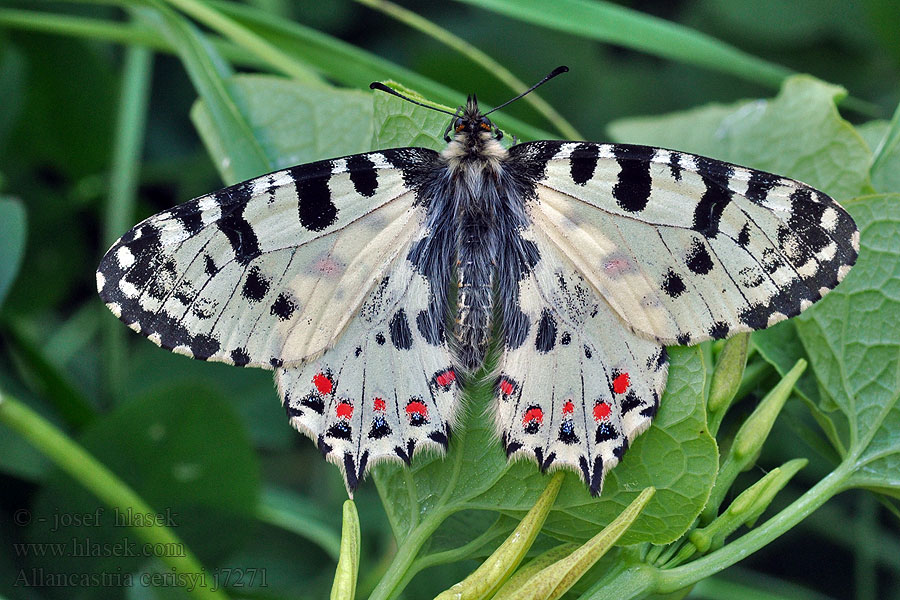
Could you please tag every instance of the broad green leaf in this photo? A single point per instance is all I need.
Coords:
(183, 451)
(883, 138)
(853, 343)
(292, 122)
(799, 134)
(400, 123)
(12, 242)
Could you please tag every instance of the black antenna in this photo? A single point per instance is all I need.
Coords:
(557, 71)
(377, 85)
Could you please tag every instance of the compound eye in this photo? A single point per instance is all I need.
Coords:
(486, 124)
(459, 125)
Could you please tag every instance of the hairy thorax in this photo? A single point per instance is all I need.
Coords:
(475, 162)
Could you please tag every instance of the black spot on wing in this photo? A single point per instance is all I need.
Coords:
(188, 214)
(401, 336)
(632, 190)
(283, 307)
(315, 208)
(630, 402)
(256, 286)
(698, 259)
(708, 212)
(743, 238)
(314, 402)
(805, 219)
(583, 163)
(674, 165)
(546, 333)
(605, 432)
(529, 160)
(430, 326)
(379, 428)
(759, 185)
(209, 265)
(515, 328)
(719, 330)
(340, 430)
(240, 357)
(673, 284)
(683, 339)
(236, 228)
(619, 452)
(363, 175)
(276, 362)
(596, 481)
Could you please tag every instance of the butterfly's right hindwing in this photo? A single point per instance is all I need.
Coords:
(269, 271)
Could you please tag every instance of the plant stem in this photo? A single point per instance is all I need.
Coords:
(247, 39)
(681, 577)
(406, 554)
(103, 483)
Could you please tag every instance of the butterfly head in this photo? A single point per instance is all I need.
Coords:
(468, 122)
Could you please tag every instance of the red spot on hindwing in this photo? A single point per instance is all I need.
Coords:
(533, 414)
(506, 386)
(568, 407)
(344, 410)
(601, 411)
(323, 383)
(378, 404)
(445, 378)
(417, 412)
(620, 383)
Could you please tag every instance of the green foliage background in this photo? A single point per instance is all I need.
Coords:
(96, 134)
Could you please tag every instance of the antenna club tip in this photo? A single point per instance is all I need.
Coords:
(560, 69)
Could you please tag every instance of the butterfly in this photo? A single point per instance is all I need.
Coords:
(592, 257)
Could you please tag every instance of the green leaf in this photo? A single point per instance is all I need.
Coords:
(853, 342)
(292, 122)
(607, 22)
(799, 134)
(884, 139)
(13, 228)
